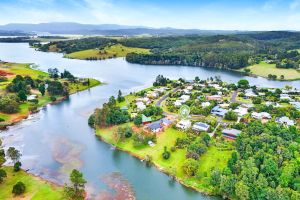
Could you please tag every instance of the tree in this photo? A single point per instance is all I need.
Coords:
(120, 97)
(243, 83)
(14, 154)
(230, 115)
(166, 154)
(22, 95)
(256, 100)
(242, 190)
(138, 120)
(42, 89)
(19, 188)
(2, 175)
(76, 189)
(190, 167)
(17, 166)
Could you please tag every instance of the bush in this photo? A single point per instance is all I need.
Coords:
(91, 120)
(166, 154)
(190, 167)
(53, 98)
(230, 115)
(2, 175)
(19, 188)
(17, 166)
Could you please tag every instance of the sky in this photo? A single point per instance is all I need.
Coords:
(187, 14)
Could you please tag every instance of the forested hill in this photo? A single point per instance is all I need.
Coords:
(222, 51)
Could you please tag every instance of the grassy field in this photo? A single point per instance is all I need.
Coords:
(36, 188)
(175, 162)
(113, 51)
(264, 69)
(13, 69)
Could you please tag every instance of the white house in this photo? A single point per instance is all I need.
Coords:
(31, 97)
(184, 98)
(250, 93)
(178, 103)
(205, 104)
(184, 124)
(261, 115)
(241, 111)
(140, 105)
(285, 120)
(296, 104)
(285, 97)
(200, 126)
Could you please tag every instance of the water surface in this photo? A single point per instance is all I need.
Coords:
(58, 138)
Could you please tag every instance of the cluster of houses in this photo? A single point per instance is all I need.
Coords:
(219, 110)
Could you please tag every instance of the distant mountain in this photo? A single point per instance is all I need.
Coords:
(103, 29)
(13, 33)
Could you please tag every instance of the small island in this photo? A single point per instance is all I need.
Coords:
(23, 89)
(218, 138)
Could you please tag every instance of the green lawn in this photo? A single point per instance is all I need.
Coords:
(264, 69)
(117, 50)
(36, 188)
(213, 158)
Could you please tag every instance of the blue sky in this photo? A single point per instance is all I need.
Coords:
(201, 14)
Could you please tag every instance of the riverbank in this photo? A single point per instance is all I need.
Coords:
(36, 187)
(172, 166)
(35, 100)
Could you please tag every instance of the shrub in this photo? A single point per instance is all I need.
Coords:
(166, 154)
(17, 166)
(19, 188)
(190, 167)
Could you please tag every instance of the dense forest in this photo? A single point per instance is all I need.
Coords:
(222, 51)
(265, 165)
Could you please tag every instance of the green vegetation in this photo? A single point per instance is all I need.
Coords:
(35, 188)
(23, 89)
(113, 51)
(76, 190)
(264, 69)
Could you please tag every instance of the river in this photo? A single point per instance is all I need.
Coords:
(58, 138)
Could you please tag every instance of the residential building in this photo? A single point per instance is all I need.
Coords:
(231, 133)
(184, 124)
(200, 126)
(214, 98)
(146, 120)
(285, 121)
(261, 115)
(219, 111)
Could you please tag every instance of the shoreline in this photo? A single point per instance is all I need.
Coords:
(59, 100)
(159, 168)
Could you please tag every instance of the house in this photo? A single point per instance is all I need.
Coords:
(155, 127)
(200, 126)
(31, 97)
(146, 120)
(205, 104)
(214, 98)
(219, 111)
(124, 108)
(241, 111)
(184, 124)
(166, 122)
(231, 133)
(296, 104)
(140, 105)
(150, 143)
(261, 115)
(178, 103)
(184, 98)
(285, 120)
(285, 97)
(224, 105)
(249, 93)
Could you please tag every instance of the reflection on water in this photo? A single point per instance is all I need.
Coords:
(58, 138)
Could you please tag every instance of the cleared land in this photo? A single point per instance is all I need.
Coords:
(264, 69)
(36, 188)
(113, 51)
(174, 164)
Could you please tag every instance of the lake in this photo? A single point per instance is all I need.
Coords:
(58, 138)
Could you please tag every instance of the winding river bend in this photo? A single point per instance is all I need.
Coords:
(58, 138)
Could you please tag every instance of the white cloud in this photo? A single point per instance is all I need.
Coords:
(294, 4)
